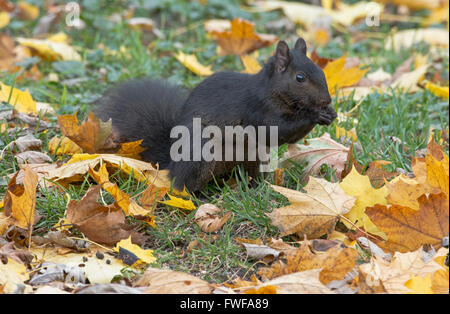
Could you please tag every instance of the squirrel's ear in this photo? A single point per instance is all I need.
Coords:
(282, 56)
(300, 45)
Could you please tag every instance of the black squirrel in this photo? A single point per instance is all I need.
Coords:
(289, 92)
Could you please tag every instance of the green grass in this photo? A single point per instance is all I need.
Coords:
(217, 257)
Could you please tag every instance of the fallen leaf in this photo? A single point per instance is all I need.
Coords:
(305, 282)
(98, 271)
(408, 229)
(20, 202)
(333, 264)
(50, 50)
(339, 76)
(440, 279)
(151, 195)
(207, 218)
(409, 37)
(4, 19)
(360, 187)
(93, 135)
(319, 151)
(251, 64)
(416, 4)
(63, 145)
(12, 276)
(179, 203)
(32, 157)
(260, 252)
(162, 281)
(440, 91)
(394, 275)
(21, 101)
(143, 256)
(313, 213)
(142, 171)
(22, 144)
(102, 224)
(122, 199)
(241, 39)
(191, 62)
(28, 11)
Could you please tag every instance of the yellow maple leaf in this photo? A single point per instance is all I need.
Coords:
(338, 76)
(21, 202)
(22, 101)
(419, 285)
(191, 62)
(179, 203)
(351, 134)
(4, 19)
(144, 256)
(63, 145)
(359, 186)
(129, 206)
(440, 91)
(51, 50)
(251, 64)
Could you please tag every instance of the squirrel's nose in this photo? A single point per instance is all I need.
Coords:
(325, 101)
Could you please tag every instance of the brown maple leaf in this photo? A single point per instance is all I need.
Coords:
(408, 229)
(102, 224)
(334, 263)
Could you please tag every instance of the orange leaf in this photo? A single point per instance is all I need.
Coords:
(242, 38)
(408, 229)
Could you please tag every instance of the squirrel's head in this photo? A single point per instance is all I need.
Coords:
(296, 80)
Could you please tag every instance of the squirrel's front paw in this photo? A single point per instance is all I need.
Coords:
(326, 115)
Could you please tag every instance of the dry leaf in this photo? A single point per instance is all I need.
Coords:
(319, 151)
(313, 213)
(98, 271)
(20, 202)
(333, 264)
(305, 282)
(207, 218)
(394, 275)
(241, 39)
(251, 64)
(339, 76)
(191, 62)
(409, 37)
(102, 224)
(360, 187)
(171, 282)
(440, 91)
(93, 135)
(142, 171)
(143, 256)
(408, 229)
(179, 202)
(32, 157)
(63, 145)
(21, 101)
(51, 50)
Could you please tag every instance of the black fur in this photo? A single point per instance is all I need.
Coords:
(149, 109)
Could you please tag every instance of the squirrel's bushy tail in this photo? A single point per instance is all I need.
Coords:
(144, 109)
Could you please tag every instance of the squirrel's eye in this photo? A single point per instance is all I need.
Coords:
(300, 78)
